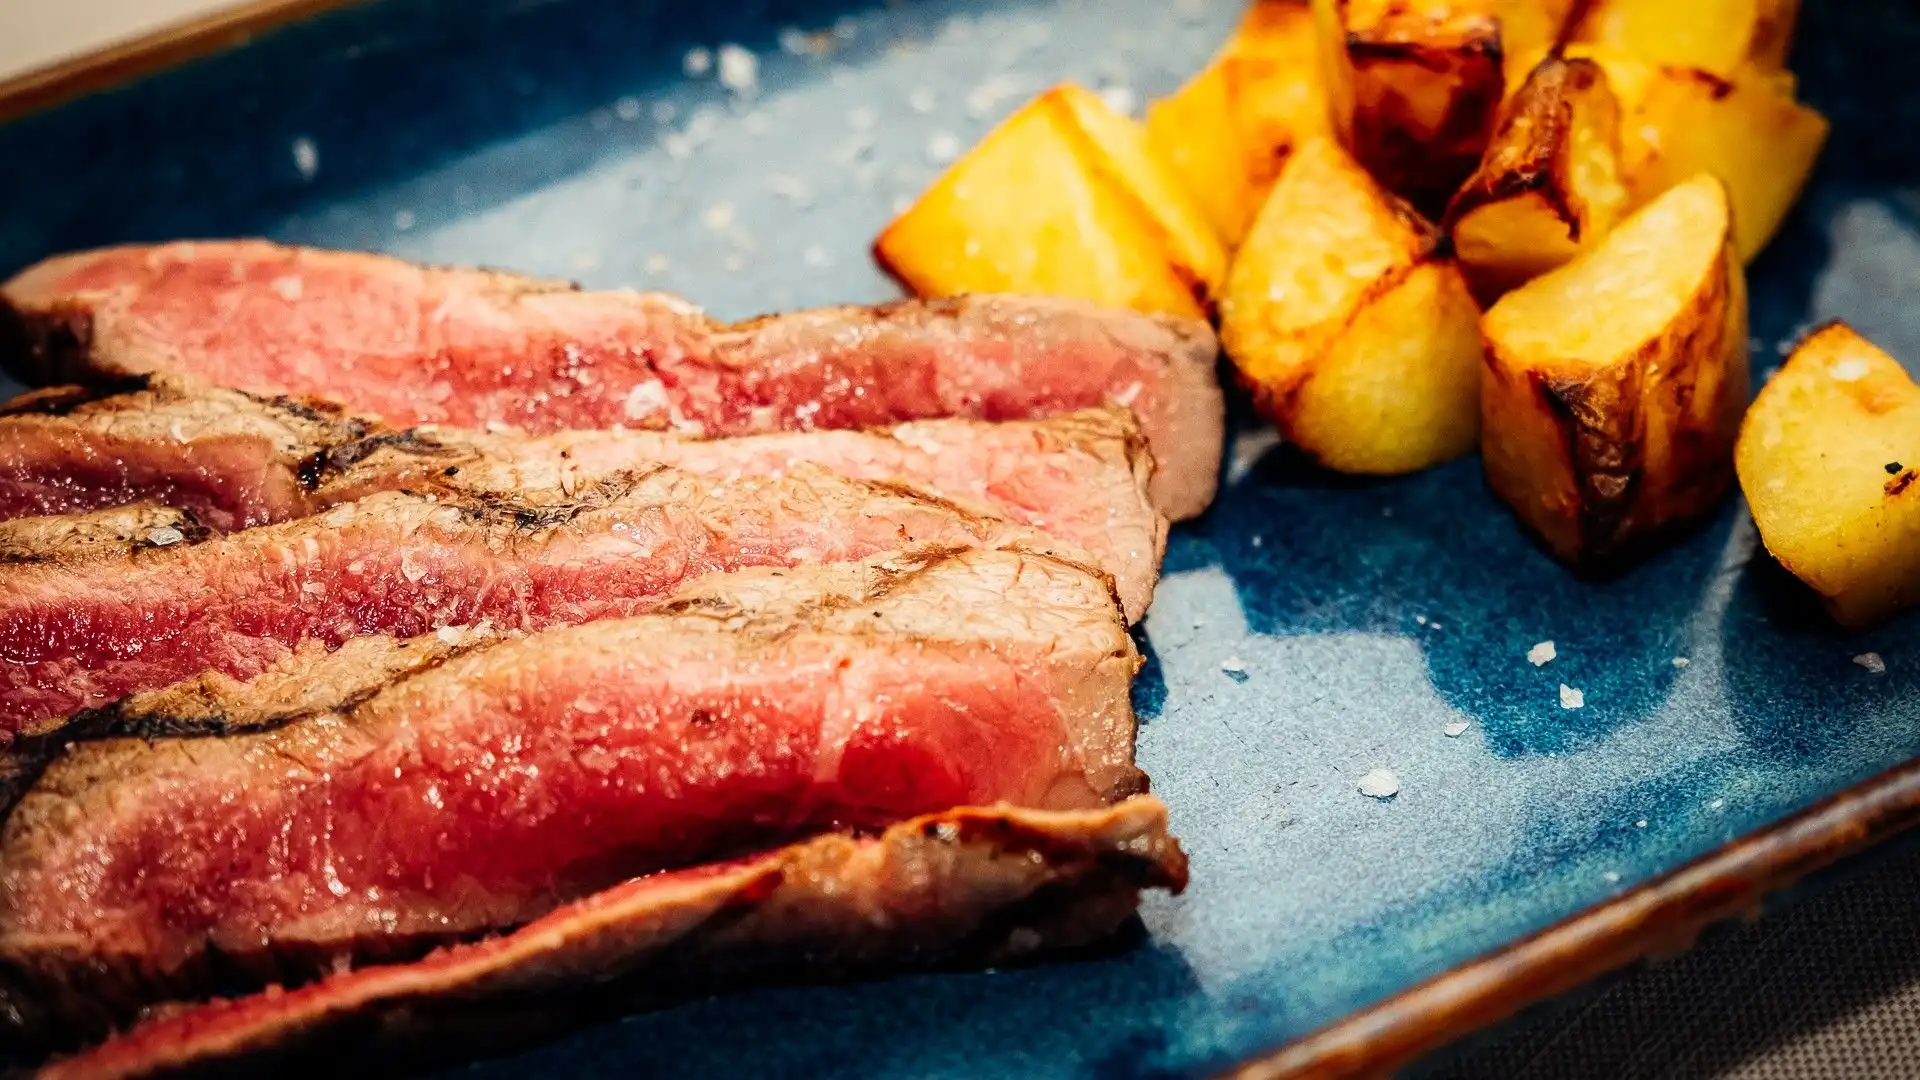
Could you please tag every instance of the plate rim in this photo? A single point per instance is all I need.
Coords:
(1662, 916)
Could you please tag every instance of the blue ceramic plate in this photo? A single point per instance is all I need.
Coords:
(1307, 631)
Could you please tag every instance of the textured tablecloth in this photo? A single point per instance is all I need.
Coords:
(1826, 990)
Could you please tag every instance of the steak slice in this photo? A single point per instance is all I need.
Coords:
(416, 345)
(477, 792)
(82, 632)
(964, 887)
(236, 460)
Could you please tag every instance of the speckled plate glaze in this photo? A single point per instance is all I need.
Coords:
(1308, 630)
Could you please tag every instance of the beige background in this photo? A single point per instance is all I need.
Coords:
(38, 32)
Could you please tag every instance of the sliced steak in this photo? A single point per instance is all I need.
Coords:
(965, 887)
(416, 345)
(479, 792)
(79, 633)
(236, 460)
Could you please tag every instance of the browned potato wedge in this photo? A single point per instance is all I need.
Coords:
(1228, 131)
(1829, 459)
(1748, 131)
(1424, 81)
(1549, 185)
(1528, 29)
(1615, 384)
(1719, 36)
(1356, 339)
(1065, 198)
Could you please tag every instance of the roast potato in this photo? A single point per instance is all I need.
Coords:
(1549, 185)
(1230, 128)
(1423, 79)
(1829, 459)
(1721, 37)
(1356, 338)
(1615, 384)
(1749, 131)
(1065, 198)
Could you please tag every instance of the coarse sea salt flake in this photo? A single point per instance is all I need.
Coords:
(1873, 662)
(1233, 665)
(1571, 698)
(165, 536)
(1542, 654)
(739, 70)
(1380, 784)
(697, 62)
(1456, 729)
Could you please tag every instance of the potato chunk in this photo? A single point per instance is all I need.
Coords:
(1550, 182)
(1829, 459)
(1722, 37)
(1615, 384)
(1064, 198)
(1228, 131)
(1748, 131)
(1355, 338)
(1423, 81)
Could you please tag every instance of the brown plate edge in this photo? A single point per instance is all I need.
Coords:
(124, 61)
(1660, 918)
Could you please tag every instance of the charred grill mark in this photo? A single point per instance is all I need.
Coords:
(316, 467)
(313, 411)
(488, 507)
(1899, 484)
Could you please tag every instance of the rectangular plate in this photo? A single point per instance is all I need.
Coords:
(1308, 630)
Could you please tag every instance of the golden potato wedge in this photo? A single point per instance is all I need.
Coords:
(1748, 131)
(1424, 78)
(1829, 459)
(1615, 384)
(1065, 197)
(1230, 128)
(1549, 185)
(1355, 338)
(1722, 37)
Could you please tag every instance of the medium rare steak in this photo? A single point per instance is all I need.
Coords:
(81, 632)
(237, 460)
(478, 791)
(966, 887)
(416, 345)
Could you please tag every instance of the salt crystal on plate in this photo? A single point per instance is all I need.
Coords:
(1380, 784)
(943, 147)
(1612, 876)
(1681, 661)
(1571, 698)
(1542, 654)
(1641, 824)
(739, 70)
(1421, 619)
(627, 109)
(1456, 729)
(718, 216)
(697, 62)
(1120, 99)
(1873, 662)
(306, 157)
(1233, 665)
